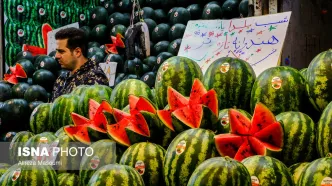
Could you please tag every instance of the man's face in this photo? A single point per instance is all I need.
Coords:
(66, 58)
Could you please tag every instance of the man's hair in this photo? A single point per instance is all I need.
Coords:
(76, 38)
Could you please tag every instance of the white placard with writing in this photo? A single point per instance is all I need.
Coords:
(109, 69)
(51, 42)
(257, 40)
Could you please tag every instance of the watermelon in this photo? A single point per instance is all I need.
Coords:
(316, 173)
(266, 170)
(68, 179)
(3, 168)
(39, 140)
(70, 163)
(185, 153)
(223, 124)
(179, 73)
(233, 80)
(5, 92)
(280, 88)
(159, 47)
(88, 130)
(18, 141)
(18, 90)
(212, 11)
(59, 132)
(15, 115)
(95, 92)
(176, 32)
(263, 135)
(39, 118)
(61, 109)
(104, 152)
(324, 132)
(299, 137)
(119, 96)
(180, 15)
(230, 9)
(220, 171)
(16, 73)
(24, 55)
(79, 90)
(296, 170)
(29, 175)
(27, 67)
(243, 8)
(319, 81)
(160, 33)
(115, 174)
(195, 11)
(11, 49)
(200, 111)
(36, 93)
(147, 158)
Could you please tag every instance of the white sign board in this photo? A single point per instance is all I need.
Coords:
(51, 42)
(109, 69)
(257, 40)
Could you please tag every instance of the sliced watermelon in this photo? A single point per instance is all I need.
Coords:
(199, 111)
(16, 72)
(137, 104)
(263, 135)
(131, 127)
(88, 130)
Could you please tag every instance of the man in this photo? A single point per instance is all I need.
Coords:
(71, 53)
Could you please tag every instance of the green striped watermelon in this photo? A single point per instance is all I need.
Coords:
(179, 73)
(319, 79)
(220, 171)
(61, 109)
(266, 170)
(68, 163)
(299, 137)
(297, 169)
(147, 158)
(104, 152)
(68, 179)
(39, 119)
(120, 93)
(11, 49)
(19, 10)
(79, 90)
(95, 92)
(303, 71)
(187, 151)
(19, 32)
(59, 132)
(316, 173)
(223, 125)
(233, 79)
(38, 140)
(3, 168)
(281, 89)
(115, 174)
(29, 175)
(324, 132)
(18, 141)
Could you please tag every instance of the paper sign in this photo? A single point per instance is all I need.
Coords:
(257, 40)
(109, 69)
(51, 42)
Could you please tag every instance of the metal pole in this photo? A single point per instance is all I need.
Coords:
(2, 41)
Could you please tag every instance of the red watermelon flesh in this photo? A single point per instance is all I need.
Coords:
(262, 117)
(189, 112)
(137, 104)
(134, 122)
(197, 92)
(240, 123)
(175, 99)
(210, 99)
(97, 123)
(16, 72)
(117, 132)
(191, 115)
(93, 106)
(267, 138)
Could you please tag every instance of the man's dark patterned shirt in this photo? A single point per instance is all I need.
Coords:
(89, 74)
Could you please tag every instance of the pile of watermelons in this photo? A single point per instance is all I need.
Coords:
(166, 20)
